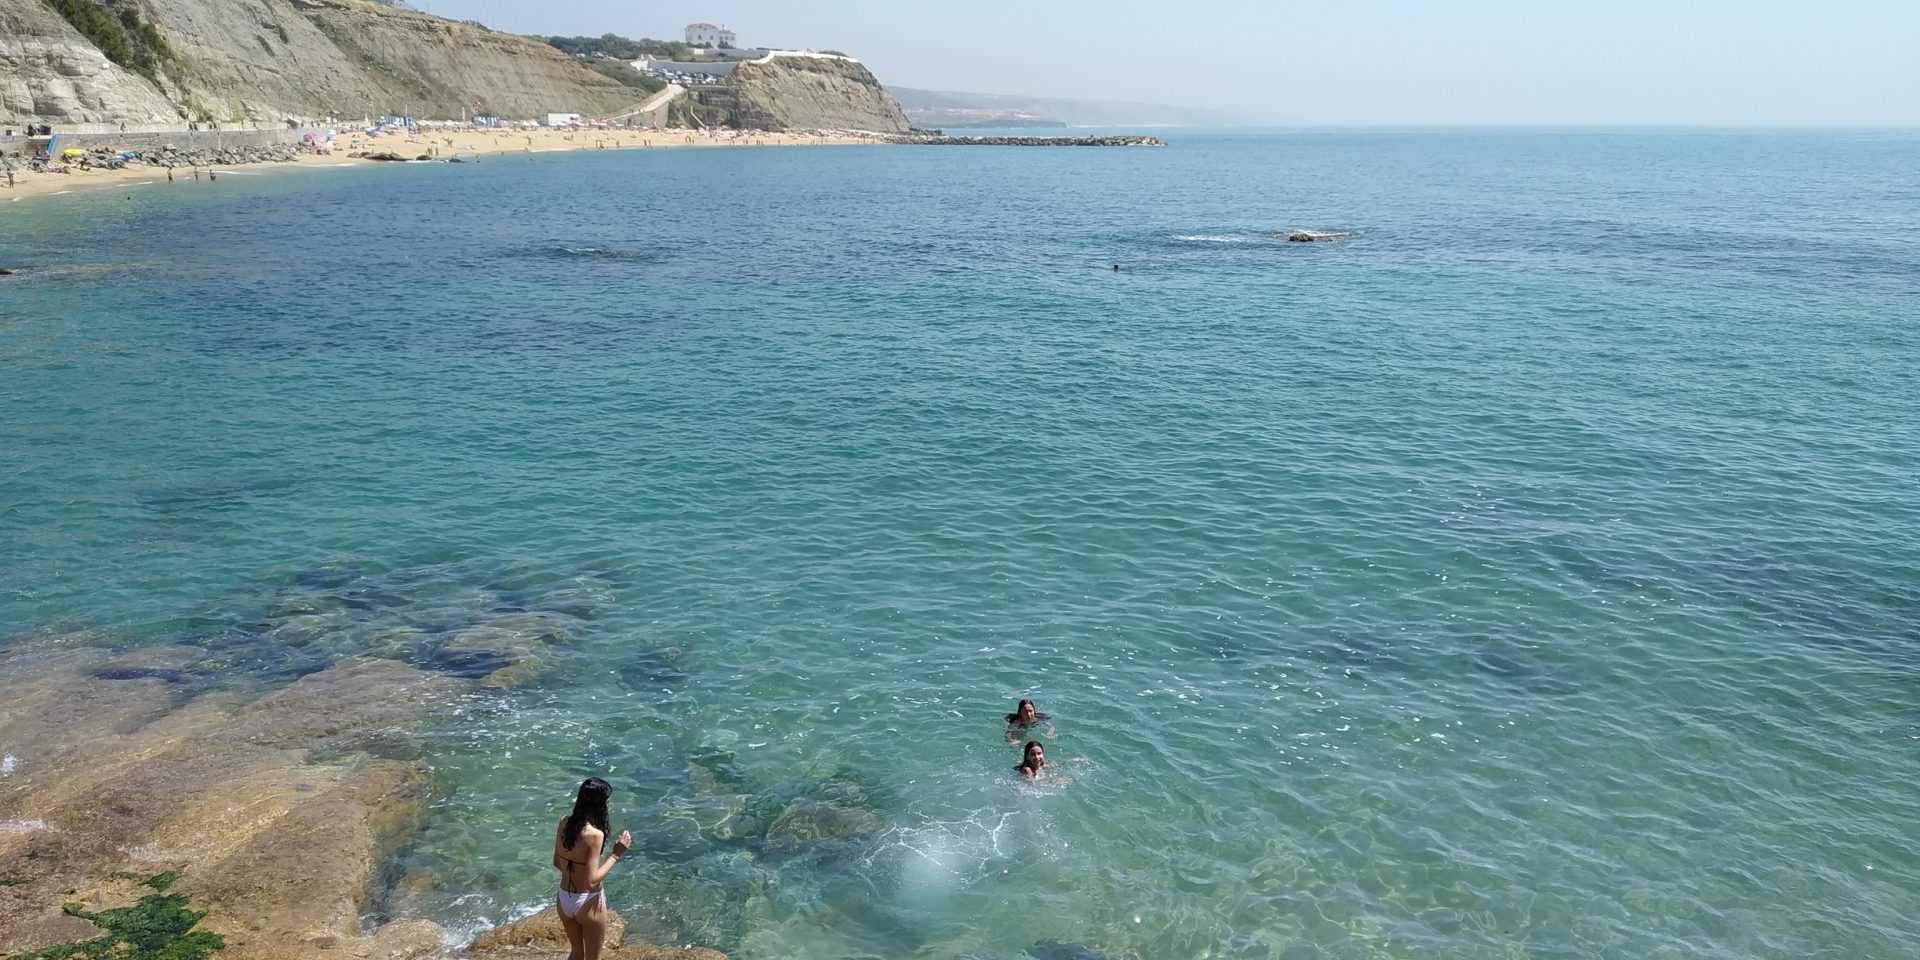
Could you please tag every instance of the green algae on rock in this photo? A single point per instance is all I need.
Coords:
(159, 927)
(123, 774)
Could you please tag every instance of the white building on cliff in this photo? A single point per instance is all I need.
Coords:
(707, 35)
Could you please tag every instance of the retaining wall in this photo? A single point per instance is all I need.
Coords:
(149, 141)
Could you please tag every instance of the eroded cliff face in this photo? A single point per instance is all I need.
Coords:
(814, 93)
(268, 60)
(433, 67)
(48, 71)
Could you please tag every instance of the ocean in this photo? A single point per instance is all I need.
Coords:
(1532, 572)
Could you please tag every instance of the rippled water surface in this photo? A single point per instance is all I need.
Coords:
(1533, 573)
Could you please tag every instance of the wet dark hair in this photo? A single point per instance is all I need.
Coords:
(590, 806)
(1014, 717)
(1026, 752)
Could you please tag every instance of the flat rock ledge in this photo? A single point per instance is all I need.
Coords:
(942, 141)
(541, 937)
(270, 811)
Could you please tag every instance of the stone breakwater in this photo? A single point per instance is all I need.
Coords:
(167, 157)
(1114, 141)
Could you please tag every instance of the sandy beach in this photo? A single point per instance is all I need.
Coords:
(439, 144)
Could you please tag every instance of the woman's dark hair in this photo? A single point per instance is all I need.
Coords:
(1014, 717)
(590, 806)
(1026, 752)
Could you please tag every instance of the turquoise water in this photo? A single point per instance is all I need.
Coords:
(1532, 574)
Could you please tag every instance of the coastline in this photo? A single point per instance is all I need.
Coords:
(735, 441)
(469, 143)
(326, 767)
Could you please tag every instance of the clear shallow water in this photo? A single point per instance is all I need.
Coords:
(1532, 574)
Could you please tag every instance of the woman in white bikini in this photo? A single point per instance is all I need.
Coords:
(576, 854)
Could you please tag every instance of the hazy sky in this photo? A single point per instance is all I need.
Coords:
(1737, 62)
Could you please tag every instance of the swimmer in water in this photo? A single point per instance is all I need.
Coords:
(1023, 718)
(1033, 763)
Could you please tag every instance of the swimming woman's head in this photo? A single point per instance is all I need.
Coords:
(589, 806)
(1033, 756)
(1023, 713)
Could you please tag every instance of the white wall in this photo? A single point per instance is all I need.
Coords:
(719, 69)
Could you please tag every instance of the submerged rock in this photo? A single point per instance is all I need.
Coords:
(657, 669)
(1522, 670)
(1055, 950)
(508, 650)
(1314, 236)
(811, 822)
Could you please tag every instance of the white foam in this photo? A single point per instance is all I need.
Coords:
(1215, 238)
(22, 826)
(940, 854)
(457, 933)
(8, 764)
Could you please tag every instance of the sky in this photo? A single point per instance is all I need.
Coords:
(1342, 62)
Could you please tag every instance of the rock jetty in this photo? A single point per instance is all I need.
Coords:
(1108, 141)
(104, 159)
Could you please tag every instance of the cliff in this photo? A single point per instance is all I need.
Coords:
(802, 92)
(268, 60)
(48, 70)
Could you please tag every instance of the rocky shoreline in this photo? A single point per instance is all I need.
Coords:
(236, 794)
(170, 158)
(1103, 141)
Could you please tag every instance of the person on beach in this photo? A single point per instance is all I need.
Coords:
(1033, 763)
(576, 854)
(1024, 718)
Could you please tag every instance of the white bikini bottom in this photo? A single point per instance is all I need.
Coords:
(572, 903)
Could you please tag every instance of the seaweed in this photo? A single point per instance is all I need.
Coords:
(159, 927)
